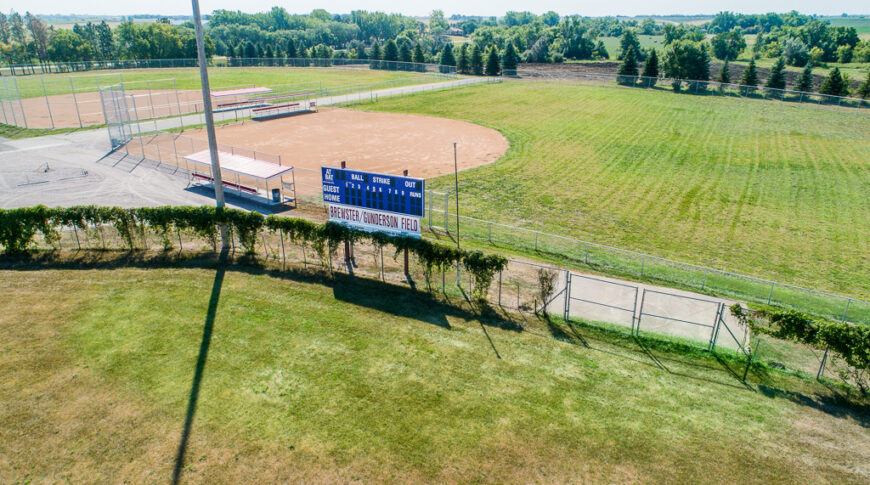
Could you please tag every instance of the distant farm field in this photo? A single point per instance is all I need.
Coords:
(764, 188)
(284, 378)
(188, 78)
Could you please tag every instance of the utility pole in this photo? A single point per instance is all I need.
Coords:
(209, 119)
(456, 180)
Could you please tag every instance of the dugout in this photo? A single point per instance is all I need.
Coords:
(258, 180)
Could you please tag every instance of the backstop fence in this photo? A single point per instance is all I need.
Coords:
(117, 115)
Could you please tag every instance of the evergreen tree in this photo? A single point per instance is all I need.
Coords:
(509, 63)
(805, 81)
(447, 60)
(419, 57)
(269, 52)
(391, 51)
(833, 85)
(376, 51)
(651, 68)
(476, 61)
(250, 49)
(776, 78)
(258, 52)
(405, 54)
(629, 39)
(462, 63)
(864, 88)
(750, 75)
(492, 62)
(725, 74)
(291, 48)
(627, 73)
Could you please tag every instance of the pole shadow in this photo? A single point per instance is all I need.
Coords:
(200, 368)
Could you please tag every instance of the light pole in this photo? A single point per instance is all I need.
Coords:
(209, 119)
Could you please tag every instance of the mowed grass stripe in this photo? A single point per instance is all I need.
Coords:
(762, 188)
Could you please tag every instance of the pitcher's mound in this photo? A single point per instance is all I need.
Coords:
(377, 142)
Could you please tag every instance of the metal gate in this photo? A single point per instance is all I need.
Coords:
(117, 115)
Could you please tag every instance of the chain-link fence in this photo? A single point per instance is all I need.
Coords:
(522, 287)
(84, 66)
(74, 101)
(711, 88)
(441, 218)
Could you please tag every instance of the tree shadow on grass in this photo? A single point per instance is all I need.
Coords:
(836, 405)
(200, 369)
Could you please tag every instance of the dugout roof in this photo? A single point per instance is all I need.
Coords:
(244, 166)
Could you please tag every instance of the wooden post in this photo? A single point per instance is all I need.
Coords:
(346, 243)
(405, 173)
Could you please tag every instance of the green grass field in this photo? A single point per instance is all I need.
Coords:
(353, 380)
(646, 42)
(769, 189)
(188, 78)
(861, 24)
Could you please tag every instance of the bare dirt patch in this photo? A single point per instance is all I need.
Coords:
(378, 142)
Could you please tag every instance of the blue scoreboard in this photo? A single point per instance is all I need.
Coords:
(375, 191)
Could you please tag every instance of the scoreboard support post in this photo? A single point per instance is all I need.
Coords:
(405, 173)
(346, 243)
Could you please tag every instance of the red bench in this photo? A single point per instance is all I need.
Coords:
(249, 190)
(276, 106)
(237, 103)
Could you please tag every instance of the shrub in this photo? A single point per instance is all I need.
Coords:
(849, 342)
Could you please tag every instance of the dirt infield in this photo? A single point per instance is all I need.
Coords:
(85, 109)
(380, 142)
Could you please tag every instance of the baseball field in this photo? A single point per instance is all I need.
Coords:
(762, 188)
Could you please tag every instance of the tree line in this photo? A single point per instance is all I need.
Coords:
(687, 58)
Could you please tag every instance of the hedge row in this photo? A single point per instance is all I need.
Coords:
(850, 342)
(18, 228)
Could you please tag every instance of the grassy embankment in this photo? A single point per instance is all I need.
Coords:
(297, 379)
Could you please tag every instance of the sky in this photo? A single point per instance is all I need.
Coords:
(563, 7)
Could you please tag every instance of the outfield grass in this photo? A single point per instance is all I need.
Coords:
(358, 381)
(219, 77)
(762, 188)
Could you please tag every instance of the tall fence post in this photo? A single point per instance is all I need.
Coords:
(821, 372)
(446, 202)
(75, 102)
(770, 294)
(567, 294)
(151, 100)
(47, 104)
(20, 105)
